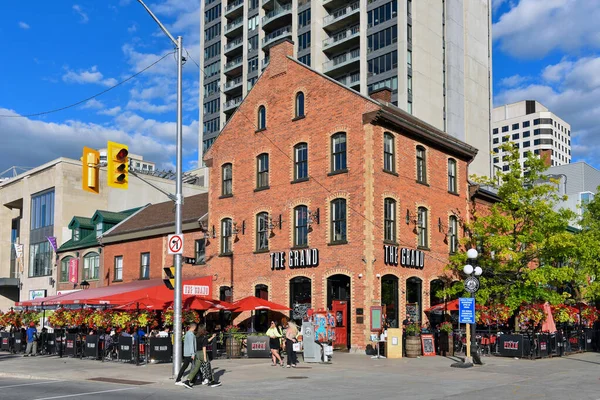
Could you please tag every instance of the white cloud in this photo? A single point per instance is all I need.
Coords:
(132, 28)
(534, 28)
(23, 25)
(497, 3)
(93, 103)
(90, 76)
(149, 107)
(84, 18)
(513, 81)
(571, 90)
(110, 111)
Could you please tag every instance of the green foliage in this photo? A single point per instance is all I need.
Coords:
(413, 329)
(525, 248)
(587, 279)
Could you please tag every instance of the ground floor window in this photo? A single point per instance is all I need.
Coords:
(389, 300)
(300, 297)
(414, 301)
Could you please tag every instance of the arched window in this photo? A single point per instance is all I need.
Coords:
(261, 317)
(227, 177)
(300, 297)
(389, 220)
(389, 163)
(299, 105)
(300, 226)
(64, 269)
(452, 188)
(300, 161)
(262, 117)
(453, 234)
(389, 298)
(422, 230)
(338, 152)
(262, 231)
(91, 266)
(226, 236)
(421, 165)
(338, 221)
(262, 171)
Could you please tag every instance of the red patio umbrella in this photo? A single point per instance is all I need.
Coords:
(448, 306)
(252, 303)
(202, 304)
(144, 303)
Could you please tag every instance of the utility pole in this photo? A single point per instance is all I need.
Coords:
(177, 331)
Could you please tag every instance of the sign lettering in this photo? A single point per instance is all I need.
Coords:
(408, 258)
(304, 258)
(259, 346)
(511, 345)
(196, 290)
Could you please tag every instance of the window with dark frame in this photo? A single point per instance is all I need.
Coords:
(452, 187)
(200, 251)
(91, 266)
(226, 236)
(338, 221)
(262, 117)
(262, 231)
(145, 266)
(262, 171)
(64, 269)
(423, 240)
(389, 220)
(338, 152)
(453, 234)
(299, 105)
(388, 153)
(421, 165)
(301, 161)
(227, 176)
(300, 226)
(118, 268)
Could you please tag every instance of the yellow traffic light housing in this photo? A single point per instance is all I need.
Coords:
(117, 165)
(170, 281)
(90, 181)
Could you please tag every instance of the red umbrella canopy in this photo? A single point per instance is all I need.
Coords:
(144, 303)
(203, 304)
(252, 303)
(449, 306)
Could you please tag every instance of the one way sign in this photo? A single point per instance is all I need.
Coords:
(175, 244)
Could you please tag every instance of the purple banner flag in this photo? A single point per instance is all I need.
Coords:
(52, 241)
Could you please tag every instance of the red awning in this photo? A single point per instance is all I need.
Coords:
(129, 292)
(252, 303)
(448, 306)
(38, 301)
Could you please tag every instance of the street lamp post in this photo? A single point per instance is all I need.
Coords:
(472, 285)
(177, 348)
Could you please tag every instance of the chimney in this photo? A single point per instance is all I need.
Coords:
(278, 53)
(383, 95)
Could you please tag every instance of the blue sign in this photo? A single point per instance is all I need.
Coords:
(466, 310)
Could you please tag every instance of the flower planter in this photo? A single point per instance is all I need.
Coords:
(234, 348)
(413, 346)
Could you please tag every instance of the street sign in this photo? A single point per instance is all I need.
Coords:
(466, 310)
(471, 284)
(175, 244)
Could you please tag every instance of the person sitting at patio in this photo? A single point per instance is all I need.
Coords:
(109, 344)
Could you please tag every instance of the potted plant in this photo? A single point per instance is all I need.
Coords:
(446, 339)
(413, 342)
(234, 341)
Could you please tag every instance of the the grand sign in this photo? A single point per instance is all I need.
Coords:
(304, 258)
(408, 258)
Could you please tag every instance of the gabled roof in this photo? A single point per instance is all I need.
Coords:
(155, 217)
(112, 217)
(81, 223)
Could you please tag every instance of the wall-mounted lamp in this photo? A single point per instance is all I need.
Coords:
(360, 276)
(313, 217)
(84, 285)
(214, 234)
(378, 276)
(410, 217)
(51, 281)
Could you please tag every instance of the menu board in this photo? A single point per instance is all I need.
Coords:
(428, 344)
(375, 318)
(412, 310)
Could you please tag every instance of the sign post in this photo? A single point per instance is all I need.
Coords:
(466, 315)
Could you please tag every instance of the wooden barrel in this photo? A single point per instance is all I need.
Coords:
(233, 348)
(413, 346)
(450, 345)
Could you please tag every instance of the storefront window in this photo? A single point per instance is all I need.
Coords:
(389, 299)
(413, 298)
(300, 297)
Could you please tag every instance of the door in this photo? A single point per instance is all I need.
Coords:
(339, 309)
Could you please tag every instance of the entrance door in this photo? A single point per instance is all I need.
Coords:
(339, 308)
(338, 288)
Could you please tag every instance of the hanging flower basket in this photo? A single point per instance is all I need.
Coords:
(146, 318)
(30, 316)
(12, 318)
(59, 318)
(100, 319)
(564, 314)
(589, 315)
(531, 315)
(187, 316)
(123, 319)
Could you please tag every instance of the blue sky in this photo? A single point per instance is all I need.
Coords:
(56, 53)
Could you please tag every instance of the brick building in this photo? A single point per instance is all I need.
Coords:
(330, 195)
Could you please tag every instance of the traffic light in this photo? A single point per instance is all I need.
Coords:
(117, 165)
(170, 281)
(90, 170)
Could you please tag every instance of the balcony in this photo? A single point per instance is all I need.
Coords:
(233, 85)
(234, 28)
(342, 63)
(352, 80)
(232, 104)
(234, 67)
(333, 4)
(233, 47)
(276, 35)
(342, 40)
(234, 9)
(268, 4)
(278, 18)
(342, 16)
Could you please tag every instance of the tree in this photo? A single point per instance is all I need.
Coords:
(525, 249)
(586, 284)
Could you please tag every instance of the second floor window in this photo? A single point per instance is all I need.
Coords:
(423, 239)
(145, 266)
(262, 231)
(226, 236)
(452, 176)
(453, 234)
(301, 161)
(299, 105)
(338, 220)
(64, 269)
(262, 117)
(262, 171)
(388, 153)
(200, 251)
(421, 165)
(338, 152)
(227, 176)
(300, 226)
(118, 268)
(91, 266)
(389, 218)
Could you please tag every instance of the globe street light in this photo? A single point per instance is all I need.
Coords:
(472, 285)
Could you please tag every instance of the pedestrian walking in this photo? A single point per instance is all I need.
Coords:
(202, 363)
(189, 353)
(290, 339)
(31, 340)
(275, 335)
